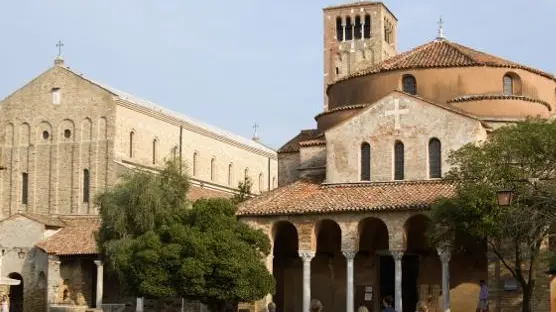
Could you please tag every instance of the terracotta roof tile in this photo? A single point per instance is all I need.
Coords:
(292, 145)
(76, 238)
(483, 97)
(342, 108)
(197, 192)
(304, 197)
(442, 54)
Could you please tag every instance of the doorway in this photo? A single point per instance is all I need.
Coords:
(387, 276)
(16, 294)
(410, 272)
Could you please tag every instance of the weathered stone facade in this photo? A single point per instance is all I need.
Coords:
(64, 139)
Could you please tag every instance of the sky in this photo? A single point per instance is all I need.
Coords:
(236, 63)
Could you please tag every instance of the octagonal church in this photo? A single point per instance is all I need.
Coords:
(347, 222)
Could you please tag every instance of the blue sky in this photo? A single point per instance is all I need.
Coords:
(234, 63)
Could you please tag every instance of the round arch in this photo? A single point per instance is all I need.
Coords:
(372, 235)
(16, 293)
(327, 237)
(415, 234)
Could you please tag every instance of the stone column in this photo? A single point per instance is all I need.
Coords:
(100, 283)
(306, 257)
(445, 255)
(344, 29)
(398, 255)
(350, 255)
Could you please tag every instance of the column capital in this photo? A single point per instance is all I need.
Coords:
(98, 262)
(306, 255)
(397, 254)
(349, 254)
(445, 253)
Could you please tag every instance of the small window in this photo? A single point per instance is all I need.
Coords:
(349, 29)
(131, 137)
(399, 165)
(365, 162)
(246, 174)
(195, 159)
(409, 84)
(212, 170)
(45, 135)
(155, 142)
(508, 85)
(261, 182)
(56, 96)
(435, 159)
(230, 174)
(86, 185)
(358, 27)
(273, 182)
(24, 188)
(67, 133)
(367, 27)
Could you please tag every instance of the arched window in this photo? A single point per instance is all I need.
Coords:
(435, 159)
(273, 182)
(212, 168)
(358, 27)
(365, 162)
(508, 85)
(367, 27)
(246, 174)
(339, 29)
(261, 182)
(230, 174)
(349, 29)
(86, 185)
(131, 137)
(155, 141)
(195, 160)
(409, 84)
(24, 188)
(399, 161)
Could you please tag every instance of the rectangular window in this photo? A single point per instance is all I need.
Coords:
(24, 188)
(86, 183)
(56, 96)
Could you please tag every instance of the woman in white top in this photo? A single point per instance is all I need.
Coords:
(5, 304)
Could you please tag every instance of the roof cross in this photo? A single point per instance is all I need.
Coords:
(255, 128)
(59, 45)
(440, 28)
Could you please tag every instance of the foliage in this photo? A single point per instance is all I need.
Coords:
(162, 246)
(521, 158)
(244, 191)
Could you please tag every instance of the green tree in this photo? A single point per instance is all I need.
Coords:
(162, 246)
(520, 158)
(244, 191)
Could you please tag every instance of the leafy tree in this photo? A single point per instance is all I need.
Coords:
(520, 158)
(244, 191)
(160, 246)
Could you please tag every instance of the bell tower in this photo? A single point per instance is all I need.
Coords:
(356, 35)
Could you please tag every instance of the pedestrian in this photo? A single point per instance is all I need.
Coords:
(483, 297)
(388, 304)
(362, 309)
(271, 307)
(421, 307)
(315, 306)
(5, 304)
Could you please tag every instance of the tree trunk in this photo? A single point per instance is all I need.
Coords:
(527, 298)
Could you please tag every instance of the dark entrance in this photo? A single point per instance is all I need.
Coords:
(387, 282)
(410, 272)
(16, 294)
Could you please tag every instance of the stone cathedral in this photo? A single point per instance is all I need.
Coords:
(63, 139)
(348, 219)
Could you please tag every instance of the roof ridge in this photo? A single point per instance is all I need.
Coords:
(387, 183)
(455, 47)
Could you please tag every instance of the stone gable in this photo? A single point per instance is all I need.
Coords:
(418, 122)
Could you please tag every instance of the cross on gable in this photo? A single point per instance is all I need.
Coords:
(59, 45)
(397, 112)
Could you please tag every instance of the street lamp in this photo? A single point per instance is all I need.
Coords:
(504, 197)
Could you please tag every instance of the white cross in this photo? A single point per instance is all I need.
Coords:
(397, 112)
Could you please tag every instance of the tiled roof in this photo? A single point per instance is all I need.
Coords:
(183, 118)
(441, 54)
(483, 97)
(310, 197)
(292, 145)
(76, 238)
(47, 220)
(197, 192)
(342, 108)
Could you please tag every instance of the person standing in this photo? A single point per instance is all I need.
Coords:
(388, 304)
(483, 297)
(5, 304)
(422, 307)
